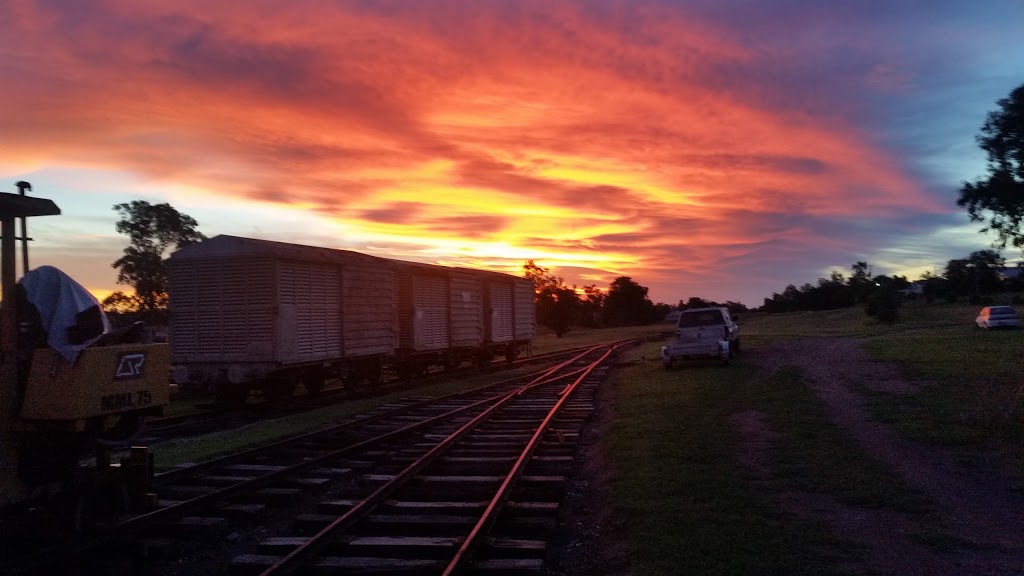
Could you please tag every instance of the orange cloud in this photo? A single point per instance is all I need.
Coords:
(600, 138)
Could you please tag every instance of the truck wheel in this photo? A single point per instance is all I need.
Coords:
(735, 346)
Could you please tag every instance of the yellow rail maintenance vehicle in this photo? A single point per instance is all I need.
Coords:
(70, 387)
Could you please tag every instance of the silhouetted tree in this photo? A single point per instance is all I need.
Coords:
(884, 303)
(860, 282)
(152, 230)
(999, 197)
(591, 309)
(976, 274)
(556, 303)
(627, 304)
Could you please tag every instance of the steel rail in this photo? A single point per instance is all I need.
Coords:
(490, 514)
(255, 482)
(142, 521)
(322, 539)
(139, 522)
(224, 460)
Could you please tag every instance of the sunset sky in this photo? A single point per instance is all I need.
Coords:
(713, 148)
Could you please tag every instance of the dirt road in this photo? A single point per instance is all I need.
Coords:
(977, 524)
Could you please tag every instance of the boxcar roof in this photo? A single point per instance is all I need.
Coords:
(224, 245)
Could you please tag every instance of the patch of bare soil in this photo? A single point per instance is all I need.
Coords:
(980, 519)
(591, 540)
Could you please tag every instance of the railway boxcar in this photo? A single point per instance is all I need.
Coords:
(244, 311)
(440, 317)
(509, 323)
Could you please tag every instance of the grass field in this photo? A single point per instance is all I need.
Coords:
(690, 507)
(974, 387)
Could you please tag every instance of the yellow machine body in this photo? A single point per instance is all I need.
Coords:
(104, 381)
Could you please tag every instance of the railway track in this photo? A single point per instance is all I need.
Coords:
(165, 428)
(415, 485)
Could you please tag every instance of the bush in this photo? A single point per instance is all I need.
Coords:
(883, 304)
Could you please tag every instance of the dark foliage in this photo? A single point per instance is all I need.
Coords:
(627, 304)
(557, 304)
(998, 198)
(884, 303)
(152, 230)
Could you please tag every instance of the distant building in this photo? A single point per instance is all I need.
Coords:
(672, 317)
(1014, 273)
(916, 288)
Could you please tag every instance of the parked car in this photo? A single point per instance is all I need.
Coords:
(996, 317)
(703, 333)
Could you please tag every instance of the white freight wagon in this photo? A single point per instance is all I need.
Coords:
(246, 311)
(510, 322)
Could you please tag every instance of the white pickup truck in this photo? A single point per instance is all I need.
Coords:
(703, 333)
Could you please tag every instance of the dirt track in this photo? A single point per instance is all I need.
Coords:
(980, 517)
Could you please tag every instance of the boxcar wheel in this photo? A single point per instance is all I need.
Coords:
(314, 382)
(373, 372)
(405, 370)
(281, 387)
(232, 394)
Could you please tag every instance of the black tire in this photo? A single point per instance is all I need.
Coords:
(735, 346)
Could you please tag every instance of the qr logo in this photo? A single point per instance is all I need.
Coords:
(130, 366)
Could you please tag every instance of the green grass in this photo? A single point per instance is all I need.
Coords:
(853, 322)
(955, 353)
(548, 342)
(971, 392)
(688, 504)
(815, 455)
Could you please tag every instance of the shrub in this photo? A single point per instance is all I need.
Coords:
(883, 304)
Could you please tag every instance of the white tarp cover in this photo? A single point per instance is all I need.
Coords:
(59, 300)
